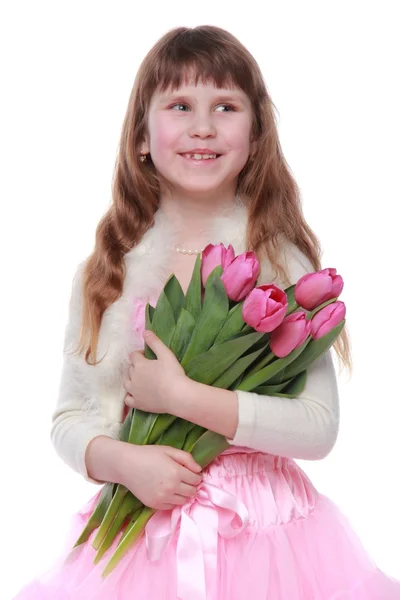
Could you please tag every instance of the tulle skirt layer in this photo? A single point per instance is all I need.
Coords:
(257, 529)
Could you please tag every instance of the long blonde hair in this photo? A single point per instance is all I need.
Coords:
(212, 54)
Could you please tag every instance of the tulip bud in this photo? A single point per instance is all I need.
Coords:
(139, 315)
(314, 289)
(240, 276)
(265, 307)
(293, 331)
(214, 256)
(327, 319)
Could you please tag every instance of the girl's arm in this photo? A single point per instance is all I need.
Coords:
(305, 427)
(74, 424)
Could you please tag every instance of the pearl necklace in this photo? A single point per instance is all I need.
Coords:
(186, 251)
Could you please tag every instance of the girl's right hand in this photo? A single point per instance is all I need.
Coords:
(159, 476)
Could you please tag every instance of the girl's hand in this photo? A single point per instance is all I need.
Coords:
(159, 476)
(151, 383)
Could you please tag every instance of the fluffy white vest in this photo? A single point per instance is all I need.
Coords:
(148, 266)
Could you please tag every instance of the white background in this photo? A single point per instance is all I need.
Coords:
(67, 72)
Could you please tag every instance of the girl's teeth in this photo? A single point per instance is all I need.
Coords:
(200, 156)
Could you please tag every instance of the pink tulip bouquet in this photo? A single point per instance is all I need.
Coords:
(229, 333)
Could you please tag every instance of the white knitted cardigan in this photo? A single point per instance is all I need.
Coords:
(91, 399)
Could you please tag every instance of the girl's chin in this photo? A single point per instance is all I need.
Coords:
(210, 193)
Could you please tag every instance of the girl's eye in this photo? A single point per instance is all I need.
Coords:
(180, 104)
(228, 106)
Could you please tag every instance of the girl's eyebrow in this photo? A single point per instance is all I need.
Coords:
(222, 97)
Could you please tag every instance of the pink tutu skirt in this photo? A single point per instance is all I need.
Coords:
(257, 529)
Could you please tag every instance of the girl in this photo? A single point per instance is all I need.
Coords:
(200, 162)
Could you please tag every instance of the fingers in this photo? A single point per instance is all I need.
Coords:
(135, 357)
(179, 500)
(185, 459)
(191, 478)
(129, 401)
(186, 490)
(165, 507)
(155, 344)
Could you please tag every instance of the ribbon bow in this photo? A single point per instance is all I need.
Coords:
(210, 512)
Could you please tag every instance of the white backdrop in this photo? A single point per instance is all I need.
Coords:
(68, 68)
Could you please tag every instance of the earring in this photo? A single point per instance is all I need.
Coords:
(143, 157)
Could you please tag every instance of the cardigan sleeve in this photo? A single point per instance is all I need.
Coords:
(74, 423)
(305, 427)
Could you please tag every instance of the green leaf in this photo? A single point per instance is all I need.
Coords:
(232, 373)
(321, 306)
(193, 294)
(265, 359)
(287, 389)
(182, 334)
(208, 447)
(267, 373)
(194, 434)
(271, 389)
(161, 423)
(149, 315)
(163, 323)
(142, 424)
(236, 383)
(129, 505)
(292, 304)
(98, 513)
(126, 427)
(233, 324)
(207, 367)
(148, 352)
(247, 328)
(110, 515)
(175, 296)
(314, 350)
(131, 535)
(176, 434)
(212, 317)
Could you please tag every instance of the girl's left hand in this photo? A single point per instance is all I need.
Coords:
(151, 383)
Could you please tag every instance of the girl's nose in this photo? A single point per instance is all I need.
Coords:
(202, 126)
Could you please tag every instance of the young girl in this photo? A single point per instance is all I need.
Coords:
(200, 162)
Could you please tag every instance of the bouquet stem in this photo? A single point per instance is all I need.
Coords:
(129, 507)
(112, 512)
(97, 515)
(129, 538)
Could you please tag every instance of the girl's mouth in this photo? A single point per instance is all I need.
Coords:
(200, 158)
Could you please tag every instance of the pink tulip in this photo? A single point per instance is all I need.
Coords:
(139, 314)
(327, 319)
(314, 289)
(265, 307)
(293, 331)
(240, 276)
(214, 256)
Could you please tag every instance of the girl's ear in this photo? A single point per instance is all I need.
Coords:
(145, 147)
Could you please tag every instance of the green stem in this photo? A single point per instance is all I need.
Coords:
(208, 447)
(98, 513)
(111, 515)
(262, 363)
(130, 537)
(129, 507)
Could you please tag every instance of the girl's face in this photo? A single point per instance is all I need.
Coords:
(199, 137)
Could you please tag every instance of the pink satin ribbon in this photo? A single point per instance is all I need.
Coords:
(210, 512)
